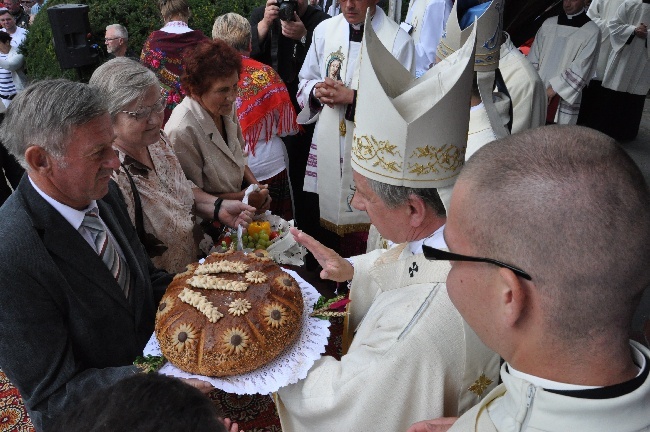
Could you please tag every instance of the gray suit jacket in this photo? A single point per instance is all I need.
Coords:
(65, 326)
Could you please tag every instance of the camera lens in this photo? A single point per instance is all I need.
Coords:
(286, 10)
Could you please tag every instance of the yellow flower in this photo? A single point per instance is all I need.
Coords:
(260, 78)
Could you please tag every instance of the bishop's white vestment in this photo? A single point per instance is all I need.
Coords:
(412, 357)
(526, 88)
(565, 53)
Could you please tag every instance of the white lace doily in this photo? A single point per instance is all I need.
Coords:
(288, 368)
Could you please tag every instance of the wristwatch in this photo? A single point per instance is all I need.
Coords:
(303, 40)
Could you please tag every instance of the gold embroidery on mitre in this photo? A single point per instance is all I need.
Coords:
(370, 149)
(480, 385)
(446, 158)
(342, 128)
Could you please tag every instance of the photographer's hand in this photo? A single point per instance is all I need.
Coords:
(270, 14)
(294, 29)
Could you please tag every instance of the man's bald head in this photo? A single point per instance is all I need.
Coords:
(570, 207)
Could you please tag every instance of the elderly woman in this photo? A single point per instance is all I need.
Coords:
(161, 201)
(265, 113)
(163, 50)
(204, 129)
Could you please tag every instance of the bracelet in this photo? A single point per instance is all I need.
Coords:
(217, 207)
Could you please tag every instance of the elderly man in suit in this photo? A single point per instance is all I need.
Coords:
(78, 291)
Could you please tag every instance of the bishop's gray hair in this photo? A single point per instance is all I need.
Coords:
(44, 115)
(122, 81)
(120, 30)
(394, 196)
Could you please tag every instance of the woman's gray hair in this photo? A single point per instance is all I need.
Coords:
(394, 196)
(233, 29)
(122, 81)
(45, 113)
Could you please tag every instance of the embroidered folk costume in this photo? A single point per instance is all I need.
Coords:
(334, 53)
(163, 54)
(265, 114)
(565, 53)
(409, 341)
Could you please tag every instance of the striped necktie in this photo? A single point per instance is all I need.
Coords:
(107, 252)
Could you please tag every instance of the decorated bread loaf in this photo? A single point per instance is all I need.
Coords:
(229, 315)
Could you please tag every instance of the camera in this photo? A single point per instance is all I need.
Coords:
(287, 8)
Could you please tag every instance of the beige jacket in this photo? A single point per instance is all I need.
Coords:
(207, 160)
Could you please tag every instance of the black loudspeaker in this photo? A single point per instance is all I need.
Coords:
(71, 34)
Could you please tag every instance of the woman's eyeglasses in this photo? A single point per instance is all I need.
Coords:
(145, 112)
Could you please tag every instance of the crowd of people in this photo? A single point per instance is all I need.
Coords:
(495, 250)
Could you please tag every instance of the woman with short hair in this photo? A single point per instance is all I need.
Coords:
(204, 129)
(163, 50)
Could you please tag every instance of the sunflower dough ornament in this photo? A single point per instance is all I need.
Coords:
(205, 327)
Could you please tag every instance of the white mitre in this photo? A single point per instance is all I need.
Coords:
(411, 131)
(488, 29)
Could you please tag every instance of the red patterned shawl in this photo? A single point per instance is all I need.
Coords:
(263, 103)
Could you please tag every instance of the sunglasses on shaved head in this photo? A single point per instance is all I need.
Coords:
(437, 254)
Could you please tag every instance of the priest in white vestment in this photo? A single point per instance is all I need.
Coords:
(596, 104)
(546, 288)
(601, 12)
(411, 354)
(327, 93)
(425, 21)
(628, 67)
(565, 53)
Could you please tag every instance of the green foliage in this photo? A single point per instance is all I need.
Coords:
(139, 17)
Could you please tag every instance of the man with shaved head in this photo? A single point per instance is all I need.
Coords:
(560, 218)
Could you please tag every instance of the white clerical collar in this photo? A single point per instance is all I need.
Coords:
(639, 360)
(575, 15)
(176, 27)
(435, 240)
(73, 216)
